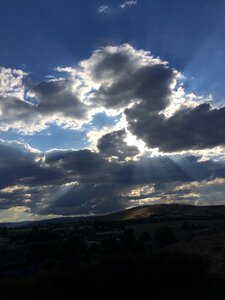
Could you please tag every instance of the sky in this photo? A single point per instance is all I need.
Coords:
(107, 105)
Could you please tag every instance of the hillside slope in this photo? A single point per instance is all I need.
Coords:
(167, 211)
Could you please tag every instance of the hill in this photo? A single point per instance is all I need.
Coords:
(148, 212)
(167, 211)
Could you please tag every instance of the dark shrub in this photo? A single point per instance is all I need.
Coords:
(73, 246)
(165, 236)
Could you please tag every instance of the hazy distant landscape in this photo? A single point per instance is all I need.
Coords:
(164, 250)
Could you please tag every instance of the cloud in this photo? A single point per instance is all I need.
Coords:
(128, 4)
(25, 180)
(22, 165)
(157, 109)
(85, 182)
(60, 98)
(48, 102)
(11, 83)
(87, 198)
(144, 93)
(188, 128)
(205, 192)
(80, 162)
(122, 76)
(113, 146)
(114, 79)
(164, 169)
(115, 186)
(104, 9)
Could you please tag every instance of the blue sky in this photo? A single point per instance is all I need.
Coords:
(37, 36)
(57, 54)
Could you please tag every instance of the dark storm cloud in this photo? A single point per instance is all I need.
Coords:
(87, 199)
(22, 195)
(20, 165)
(77, 161)
(113, 145)
(164, 169)
(189, 128)
(83, 181)
(110, 65)
(109, 188)
(91, 166)
(150, 84)
(16, 114)
(24, 179)
(126, 75)
(59, 97)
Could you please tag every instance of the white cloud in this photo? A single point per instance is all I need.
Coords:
(104, 9)
(128, 4)
(11, 83)
(48, 102)
(204, 192)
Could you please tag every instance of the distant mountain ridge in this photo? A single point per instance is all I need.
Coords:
(47, 221)
(138, 213)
